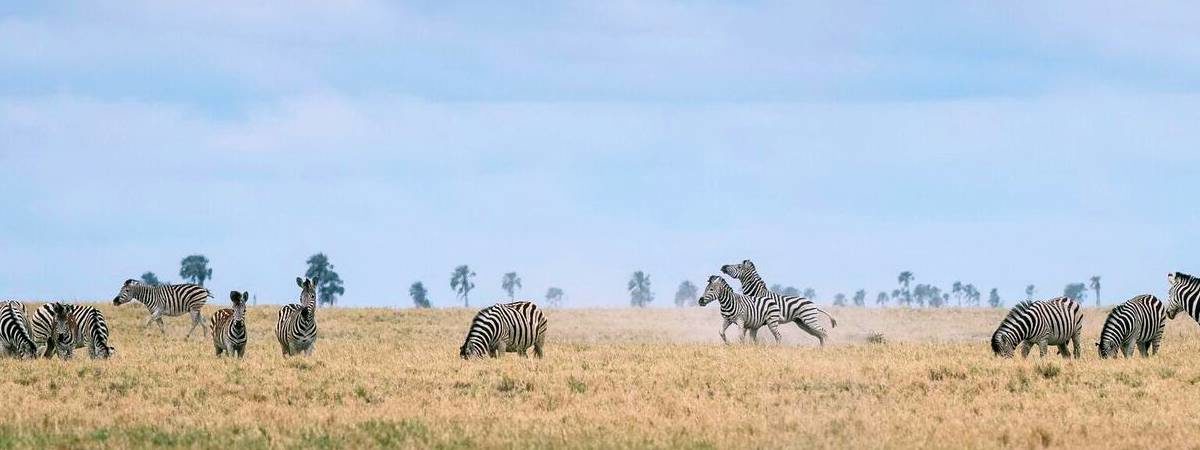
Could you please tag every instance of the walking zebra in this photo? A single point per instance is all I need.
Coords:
(1048, 322)
(1140, 320)
(14, 331)
(85, 325)
(169, 300)
(1184, 295)
(229, 326)
(804, 313)
(297, 324)
(505, 327)
(736, 308)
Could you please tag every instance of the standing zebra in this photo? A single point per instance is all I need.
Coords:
(1140, 320)
(229, 326)
(1183, 295)
(86, 326)
(800, 310)
(505, 327)
(14, 331)
(1048, 322)
(169, 300)
(736, 308)
(297, 324)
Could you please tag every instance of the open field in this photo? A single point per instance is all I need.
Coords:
(611, 378)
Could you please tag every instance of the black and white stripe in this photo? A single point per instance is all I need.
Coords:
(736, 308)
(505, 327)
(14, 331)
(1048, 322)
(86, 327)
(803, 312)
(1140, 321)
(168, 300)
(296, 328)
(229, 326)
(1184, 295)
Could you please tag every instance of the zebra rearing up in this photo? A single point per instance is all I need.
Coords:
(1184, 295)
(14, 331)
(1140, 320)
(85, 325)
(505, 327)
(297, 324)
(800, 310)
(735, 308)
(229, 326)
(169, 300)
(1048, 322)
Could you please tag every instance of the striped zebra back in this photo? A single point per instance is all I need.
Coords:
(1057, 320)
(516, 326)
(171, 299)
(1183, 295)
(14, 331)
(1139, 320)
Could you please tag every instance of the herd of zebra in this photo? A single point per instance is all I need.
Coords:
(59, 328)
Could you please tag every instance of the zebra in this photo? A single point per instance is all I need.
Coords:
(1048, 322)
(736, 308)
(296, 328)
(1140, 320)
(86, 326)
(1183, 295)
(229, 326)
(169, 300)
(800, 310)
(505, 327)
(14, 331)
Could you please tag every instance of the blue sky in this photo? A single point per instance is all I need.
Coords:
(836, 144)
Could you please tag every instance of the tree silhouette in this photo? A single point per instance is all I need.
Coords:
(810, 294)
(686, 294)
(791, 291)
(511, 283)
(972, 294)
(839, 299)
(639, 289)
(905, 278)
(957, 290)
(195, 269)
(860, 298)
(329, 284)
(882, 299)
(460, 281)
(151, 279)
(1075, 291)
(419, 294)
(994, 298)
(776, 288)
(1095, 285)
(1029, 291)
(554, 296)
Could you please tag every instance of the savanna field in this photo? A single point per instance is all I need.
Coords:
(611, 378)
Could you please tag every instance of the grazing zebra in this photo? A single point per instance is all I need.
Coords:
(1184, 295)
(14, 331)
(229, 326)
(86, 326)
(800, 310)
(169, 300)
(736, 308)
(1048, 322)
(1140, 320)
(297, 324)
(505, 327)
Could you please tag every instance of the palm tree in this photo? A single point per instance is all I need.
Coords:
(554, 296)
(882, 299)
(1029, 291)
(419, 294)
(1095, 285)
(511, 283)
(994, 298)
(860, 298)
(972, 293)
(957, 290)
(904, 279)
(686, 294)
(639, 289)
(195, 268)
(460, 281)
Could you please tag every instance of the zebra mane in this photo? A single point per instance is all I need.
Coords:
(1183, 277)
(1016, 310)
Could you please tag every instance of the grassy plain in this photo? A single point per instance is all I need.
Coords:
(611, 378)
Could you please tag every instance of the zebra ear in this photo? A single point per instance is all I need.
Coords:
(233, 295)
(314, 281)
(129, 282)
(1171, 277)
(245, 296)
(299, 282)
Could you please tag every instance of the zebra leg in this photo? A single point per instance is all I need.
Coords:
(1025, 348)
(1154, 346)
(537, 347)
(1127, 349)
(195, 321)
(742, 339)
(161, 328)
(774, 331)
(817, 332)
(1062, 351)
(1143, 348)
(1042, 348)
(723, 328)
(1075, 345)
(754, 335)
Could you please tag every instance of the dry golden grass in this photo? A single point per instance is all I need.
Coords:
(611, 378)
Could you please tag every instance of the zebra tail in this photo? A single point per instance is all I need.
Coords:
(832, 321)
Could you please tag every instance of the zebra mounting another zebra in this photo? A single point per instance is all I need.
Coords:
(169, 300)
(63, 327)
(14, 331)
(505, 327)
(803, 312)
(1048, 322)
(1140, 320)
(736, 308)
(229, 326)
(296, 327)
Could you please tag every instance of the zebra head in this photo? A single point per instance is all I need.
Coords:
(127, 295)
(480, 336)
(239, 308)
(1183, 287)
(742, 271)
(1003, 344)
(64, 342)
(717, 288)
(1108, 348)
(308, 290)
